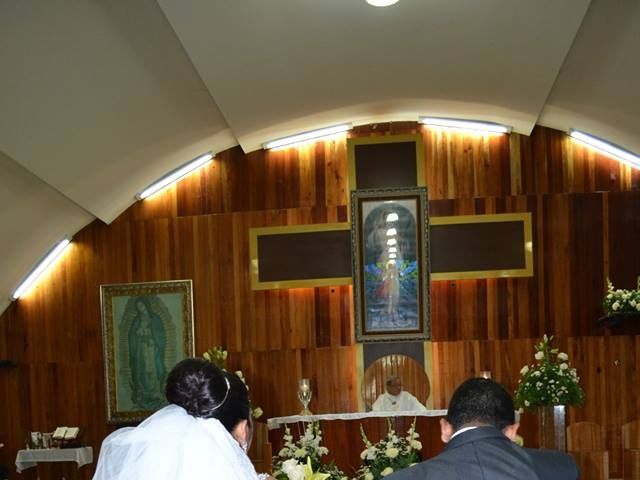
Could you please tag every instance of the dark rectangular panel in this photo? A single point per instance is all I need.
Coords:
(383, 165)
(468, 247)
(304, 256)
(386, 161)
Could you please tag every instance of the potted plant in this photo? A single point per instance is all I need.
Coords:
(549, 385)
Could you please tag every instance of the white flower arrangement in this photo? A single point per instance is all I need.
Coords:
(390, 454)
(218, 356)
(550, 381)
(295, 458)
(621, 301)
(296, 471)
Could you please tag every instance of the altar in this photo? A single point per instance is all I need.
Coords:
(30, 458)
(341, 432)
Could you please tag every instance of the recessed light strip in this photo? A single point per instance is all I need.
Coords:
(40, 268)
(607, 148)
(465, 124)
(381, 3)
(175, 175)
(303, 137)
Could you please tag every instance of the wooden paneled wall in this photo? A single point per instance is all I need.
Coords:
(586, 227)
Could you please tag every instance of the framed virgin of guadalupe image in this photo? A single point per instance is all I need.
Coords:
(389, 232)
(146, 328)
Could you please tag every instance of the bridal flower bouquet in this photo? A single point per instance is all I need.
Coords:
(621, 301)
(218, 356)
(301, 460)
(550, 381)
(390, 454)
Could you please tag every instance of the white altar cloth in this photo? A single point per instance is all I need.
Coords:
(275, 422)
(30, 458)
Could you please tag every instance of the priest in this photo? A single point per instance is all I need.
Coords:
(395, 399)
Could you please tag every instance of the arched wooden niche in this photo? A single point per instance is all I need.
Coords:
(414, 378)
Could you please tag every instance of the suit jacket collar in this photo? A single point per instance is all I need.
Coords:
(480, 433)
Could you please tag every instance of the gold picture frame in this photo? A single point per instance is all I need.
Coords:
(146, 328)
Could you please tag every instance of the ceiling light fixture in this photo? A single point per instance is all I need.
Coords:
(48, 259)
(305, 136)
(175, 175)
(484, 127)
(606, 148)
(381, 3)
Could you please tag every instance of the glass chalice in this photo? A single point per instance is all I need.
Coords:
(304, 395)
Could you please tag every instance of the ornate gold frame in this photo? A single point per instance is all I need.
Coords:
(423, 309)
(116, 414)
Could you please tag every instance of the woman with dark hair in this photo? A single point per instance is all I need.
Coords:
(204, 432)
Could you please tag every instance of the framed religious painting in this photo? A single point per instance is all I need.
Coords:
(146, 328)
(389, 234)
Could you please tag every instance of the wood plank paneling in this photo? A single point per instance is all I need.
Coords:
(608, 367)
(586, 226)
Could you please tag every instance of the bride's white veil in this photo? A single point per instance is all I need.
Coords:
(173, 445)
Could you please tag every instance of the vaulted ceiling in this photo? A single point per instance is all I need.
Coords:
(100, 98)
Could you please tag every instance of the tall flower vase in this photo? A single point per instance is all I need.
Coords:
(552, 427)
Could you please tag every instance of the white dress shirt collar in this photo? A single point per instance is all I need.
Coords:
(462, 430)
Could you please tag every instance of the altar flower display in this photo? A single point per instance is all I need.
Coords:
(295, 471)
(550, 381)
(301, 460)
(390, 454)
(218, 356)
(621, 301)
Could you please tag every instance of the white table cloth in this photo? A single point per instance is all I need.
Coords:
(275, 422)
(30, 458)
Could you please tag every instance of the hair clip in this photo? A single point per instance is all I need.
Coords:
(226, 380)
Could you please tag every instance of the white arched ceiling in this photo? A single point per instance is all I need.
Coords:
(100, 98)
(597, 88)
(278, 66)
(34, 218)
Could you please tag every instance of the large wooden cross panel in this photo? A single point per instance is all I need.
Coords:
(469, 246)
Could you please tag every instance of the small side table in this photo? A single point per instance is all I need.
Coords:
(30, 458)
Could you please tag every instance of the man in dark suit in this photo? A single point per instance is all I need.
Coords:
(479, 430)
